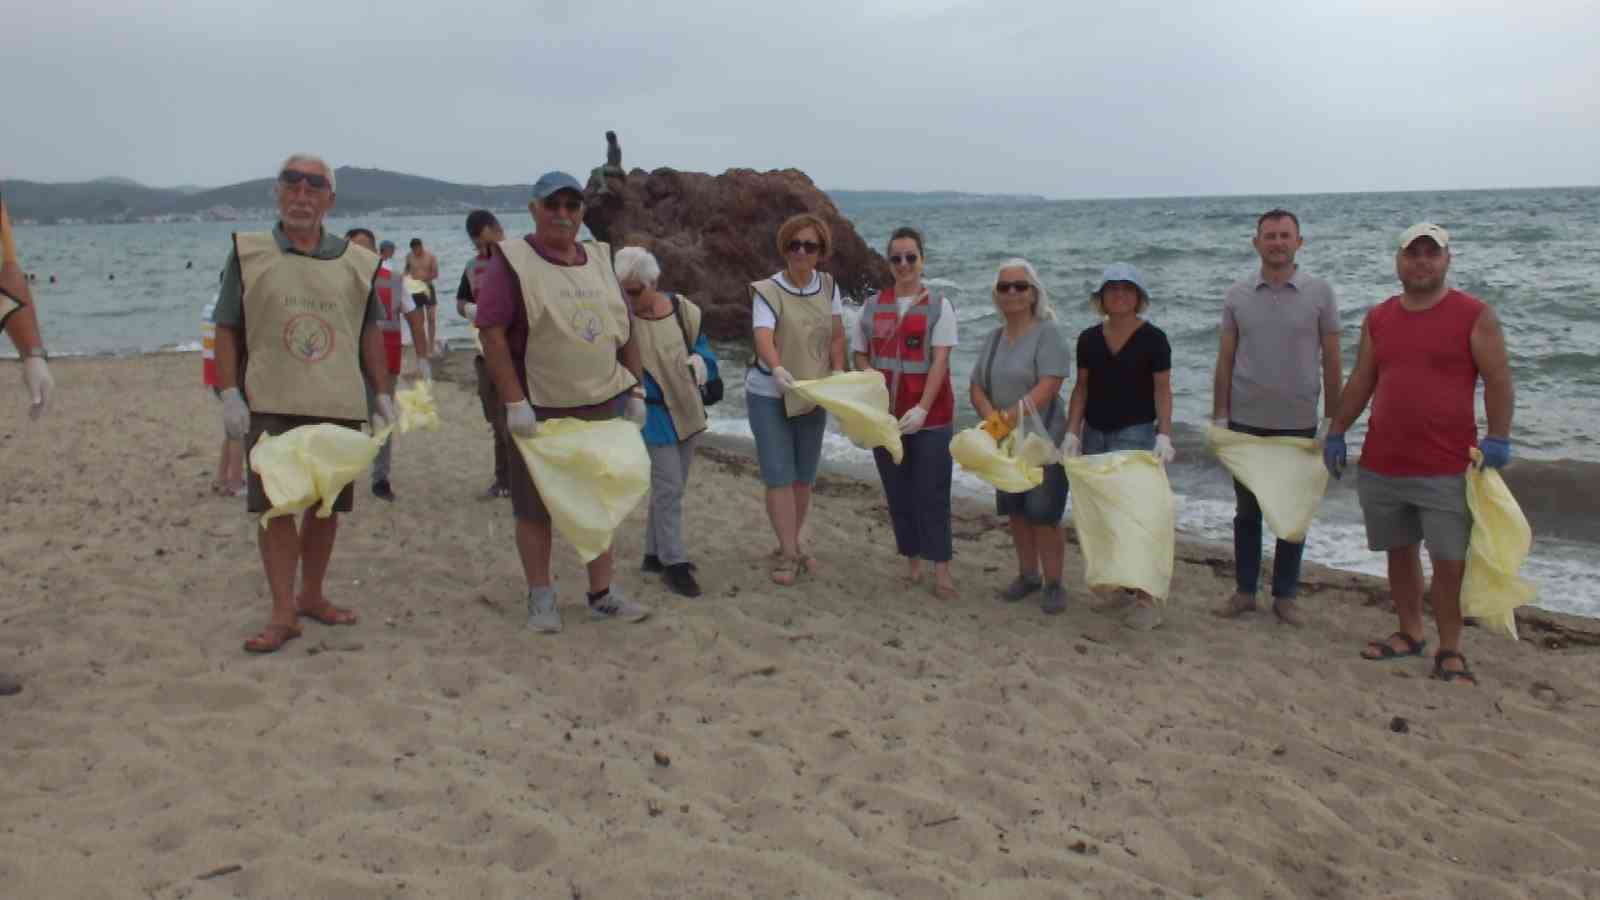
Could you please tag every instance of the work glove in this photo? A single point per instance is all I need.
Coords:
(697, 368)
(385, 414)
(235, 415)
(424, 369)
(1496, 452)
(911, 422)
(470, 311)
(36, 375)
(1164, 450)
(1070, 445)
(635, 410)
(1334, 455)
(785, 381)
(520, 419)
(1322, 433)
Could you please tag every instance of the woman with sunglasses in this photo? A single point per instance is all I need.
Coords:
(906, 336)
(678, 362)
(1027, 358)
(1123, 397)
(797, 316)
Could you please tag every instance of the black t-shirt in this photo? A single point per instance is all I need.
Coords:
(464, 290)
(1122, 387)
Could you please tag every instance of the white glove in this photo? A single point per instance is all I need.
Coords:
(385, 416)
(1164, 451)
(470, 310)
(697, 368)
(36, 375)
(635, 411)
(1322, 432)
(235, 415)
(1070, 445)
(785, 381)
(911, 422)
(520, 419)
(424, 369)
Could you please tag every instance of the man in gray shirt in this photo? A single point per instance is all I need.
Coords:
(1280, 335)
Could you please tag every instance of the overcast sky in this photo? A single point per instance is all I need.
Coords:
(1042, 96)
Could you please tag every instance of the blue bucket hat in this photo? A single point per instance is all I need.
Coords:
(1122, 272)
(552, 182)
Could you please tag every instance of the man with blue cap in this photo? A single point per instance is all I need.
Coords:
(558, 342)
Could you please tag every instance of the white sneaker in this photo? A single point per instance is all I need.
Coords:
(615, 606)
(543, 614)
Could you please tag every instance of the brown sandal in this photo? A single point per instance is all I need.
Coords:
(272, 638)
(787, 571)
(328, 614)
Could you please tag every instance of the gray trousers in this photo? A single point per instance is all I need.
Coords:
(380, 466)
(663, 528)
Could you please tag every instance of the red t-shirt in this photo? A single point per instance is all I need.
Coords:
(1424, 418)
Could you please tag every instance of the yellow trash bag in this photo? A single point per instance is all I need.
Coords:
(1492, 590)
(417, 409)
(1125, 514)
(1285, 473)
(309, 464)
(859, 402)
(976, 450)
(590, 476)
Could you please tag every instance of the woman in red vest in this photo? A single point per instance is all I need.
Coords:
(905, 334)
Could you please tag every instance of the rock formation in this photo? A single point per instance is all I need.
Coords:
(714, 234)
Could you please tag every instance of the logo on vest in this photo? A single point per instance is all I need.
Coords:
(586, 324)
(308, 338)
(822, 341)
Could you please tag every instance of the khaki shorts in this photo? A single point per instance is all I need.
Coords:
(256, 501)
(1403, 512)
(525, 500)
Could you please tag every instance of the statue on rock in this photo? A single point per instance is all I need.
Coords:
(599, 176)
(714, 234)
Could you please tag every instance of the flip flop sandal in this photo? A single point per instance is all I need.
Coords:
(787, 571)
(328, 614)
(272, 638)
(1448, 675)
(1387, 652)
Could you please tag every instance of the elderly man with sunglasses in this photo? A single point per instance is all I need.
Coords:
(292, 343)
(558, 341)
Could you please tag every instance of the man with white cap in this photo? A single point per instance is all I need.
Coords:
(1422, 354)
(558, 341)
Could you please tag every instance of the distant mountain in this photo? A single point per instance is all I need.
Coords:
(360, 191)
(860, 199)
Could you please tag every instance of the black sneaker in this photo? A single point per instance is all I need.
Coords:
(680, 577)
(652, 563)
(382, 491)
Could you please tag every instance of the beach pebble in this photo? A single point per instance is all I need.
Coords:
(1399, 725)
(662, 759)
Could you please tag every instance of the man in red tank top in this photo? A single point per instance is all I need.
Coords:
(1422, 353)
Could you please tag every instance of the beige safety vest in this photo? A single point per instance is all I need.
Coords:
(577, 323)
(665, 354)
(303, 318)
(804, 336)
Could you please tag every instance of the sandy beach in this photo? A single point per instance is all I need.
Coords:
(851, 736)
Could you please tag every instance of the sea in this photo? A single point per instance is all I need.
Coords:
(1532, 254)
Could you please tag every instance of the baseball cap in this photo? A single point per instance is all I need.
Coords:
(386, 245)
(1123, 272)
(1425, 230)
(551, 182)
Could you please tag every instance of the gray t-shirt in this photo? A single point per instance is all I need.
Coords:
(1277, 368)
(1007, 370)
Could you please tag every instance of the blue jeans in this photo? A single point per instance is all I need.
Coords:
(1134, 437)
(918, 490)
(788, 450)
(1247, 532)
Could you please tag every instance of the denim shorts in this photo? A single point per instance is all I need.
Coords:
(1043, 505)
(788, 450)
(1134, 437)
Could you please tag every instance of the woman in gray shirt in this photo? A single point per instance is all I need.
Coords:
(1027, 357)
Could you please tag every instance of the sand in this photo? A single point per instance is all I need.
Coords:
(848, 737)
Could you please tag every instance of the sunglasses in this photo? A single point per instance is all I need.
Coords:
(806, 247)
(634, 292)
(1013, 287)
(313, 181)
(556, 204)
(908, 259)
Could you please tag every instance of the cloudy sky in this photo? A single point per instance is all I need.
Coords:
(1057, 97)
